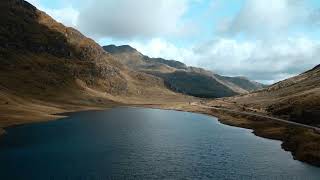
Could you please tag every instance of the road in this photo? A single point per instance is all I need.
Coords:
(260, 115)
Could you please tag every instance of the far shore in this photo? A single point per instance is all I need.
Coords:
(303, 143)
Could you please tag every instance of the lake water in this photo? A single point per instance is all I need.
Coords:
(138, 143)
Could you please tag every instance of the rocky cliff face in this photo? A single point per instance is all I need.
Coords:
(181, 78)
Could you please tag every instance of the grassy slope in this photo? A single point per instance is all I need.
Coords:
(296, 99)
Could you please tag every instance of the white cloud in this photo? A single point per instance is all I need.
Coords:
(268, 17)
(263, 61)
(128, 19)
(259, 60)
(274, 44)
(158, 47)
(68, 16)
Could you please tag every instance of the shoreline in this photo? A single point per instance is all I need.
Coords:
(54, 116)
(303, 143)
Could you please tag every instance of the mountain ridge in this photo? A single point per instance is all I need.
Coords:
(180, 77)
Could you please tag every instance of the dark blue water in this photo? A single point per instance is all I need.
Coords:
(136, 143)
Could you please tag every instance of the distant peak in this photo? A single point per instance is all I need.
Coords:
(119, 49)
(242, 77)
(127, 47)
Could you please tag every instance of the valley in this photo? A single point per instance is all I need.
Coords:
(47, 69)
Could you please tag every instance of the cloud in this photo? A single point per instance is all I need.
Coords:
(130, 19)
(259, 60)
(267, 40)
(268, 17)
(68, 16)
(157, 47)
(263, 61)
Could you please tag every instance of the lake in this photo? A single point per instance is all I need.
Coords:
(139, 143)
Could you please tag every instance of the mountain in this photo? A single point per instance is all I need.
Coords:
(181, 78)
(243, 83)
(296, 98)
(129, 56)
(46, 67)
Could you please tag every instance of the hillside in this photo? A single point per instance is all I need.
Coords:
(181, 78)
(296, 98)
(243, 83)
(46, 67)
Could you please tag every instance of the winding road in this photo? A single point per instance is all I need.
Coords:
(260, 115)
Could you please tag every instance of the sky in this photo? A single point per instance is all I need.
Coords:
(264, 40)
